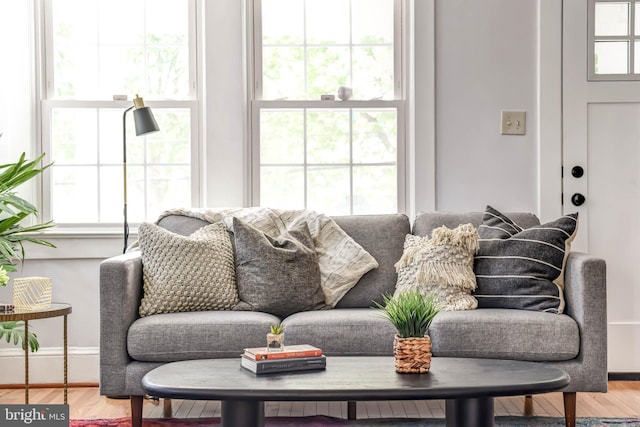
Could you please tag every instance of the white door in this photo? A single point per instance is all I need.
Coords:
(601, 139)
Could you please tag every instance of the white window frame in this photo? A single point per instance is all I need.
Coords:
(632, 74)
(257, 103)
(49, 103)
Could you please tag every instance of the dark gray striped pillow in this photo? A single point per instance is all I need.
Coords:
(522, 268)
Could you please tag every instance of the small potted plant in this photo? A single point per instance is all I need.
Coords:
(275, 337)
(411, 314)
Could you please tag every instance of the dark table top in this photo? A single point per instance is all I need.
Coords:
(353, 378)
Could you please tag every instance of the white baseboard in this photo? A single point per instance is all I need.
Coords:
(46, 366)
(624, 347)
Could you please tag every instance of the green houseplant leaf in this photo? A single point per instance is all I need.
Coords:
(13, 211)
(14, 331)
(411, 312)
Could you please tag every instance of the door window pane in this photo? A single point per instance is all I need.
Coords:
(611, 57)
(612, 19)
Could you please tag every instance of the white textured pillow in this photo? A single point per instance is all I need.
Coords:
(187, 273)
(442, 265)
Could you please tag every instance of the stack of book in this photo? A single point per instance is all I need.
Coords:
(302, 357)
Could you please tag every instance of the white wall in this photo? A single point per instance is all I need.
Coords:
(485, 62)
(486, 59)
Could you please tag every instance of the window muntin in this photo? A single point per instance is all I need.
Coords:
(338, 157)
(92, 52)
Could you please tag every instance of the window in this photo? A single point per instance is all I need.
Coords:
(93, 50)
(614, 29)
(337, 156)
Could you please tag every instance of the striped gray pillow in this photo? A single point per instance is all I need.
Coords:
(522, 268)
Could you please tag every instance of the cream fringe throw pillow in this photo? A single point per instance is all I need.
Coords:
(442, 265)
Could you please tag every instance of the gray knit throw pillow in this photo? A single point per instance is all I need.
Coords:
(186, 273)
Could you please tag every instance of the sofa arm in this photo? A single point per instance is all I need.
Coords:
(586, 302)
(120, 295)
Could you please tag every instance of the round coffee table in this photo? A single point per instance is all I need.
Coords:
(467, 385)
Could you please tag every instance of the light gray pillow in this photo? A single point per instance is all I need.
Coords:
(277, 275)
(186, 273)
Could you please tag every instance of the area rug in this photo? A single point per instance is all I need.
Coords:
(323, 421)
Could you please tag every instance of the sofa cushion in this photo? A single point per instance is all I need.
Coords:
(186, 273)
(277, 275)
(505, 334)
(342, 331)
(522, 268)
(385, 245)
(197, 335)
(441, 265)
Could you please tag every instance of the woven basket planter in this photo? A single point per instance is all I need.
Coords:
(412, 355)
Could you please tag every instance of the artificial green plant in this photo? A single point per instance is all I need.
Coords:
(410, 312)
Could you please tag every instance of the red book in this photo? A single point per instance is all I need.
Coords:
(290, 351)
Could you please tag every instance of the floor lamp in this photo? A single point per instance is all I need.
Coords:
(145, 123)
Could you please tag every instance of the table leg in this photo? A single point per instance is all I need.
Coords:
(65, 359)
(470, 412)
(242, 413)
(26, 362)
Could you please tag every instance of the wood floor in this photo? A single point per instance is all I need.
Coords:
(621, 401)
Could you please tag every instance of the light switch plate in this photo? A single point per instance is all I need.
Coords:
(513, 122)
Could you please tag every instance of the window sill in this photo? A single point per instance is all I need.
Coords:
(79, 243)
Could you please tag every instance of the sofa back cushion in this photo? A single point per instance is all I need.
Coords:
(425, 222)
(383, 237)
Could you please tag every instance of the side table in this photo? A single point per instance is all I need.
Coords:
(56, 309)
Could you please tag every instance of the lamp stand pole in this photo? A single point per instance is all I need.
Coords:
(124, 170)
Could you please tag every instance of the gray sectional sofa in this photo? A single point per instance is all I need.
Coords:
(574, 341)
